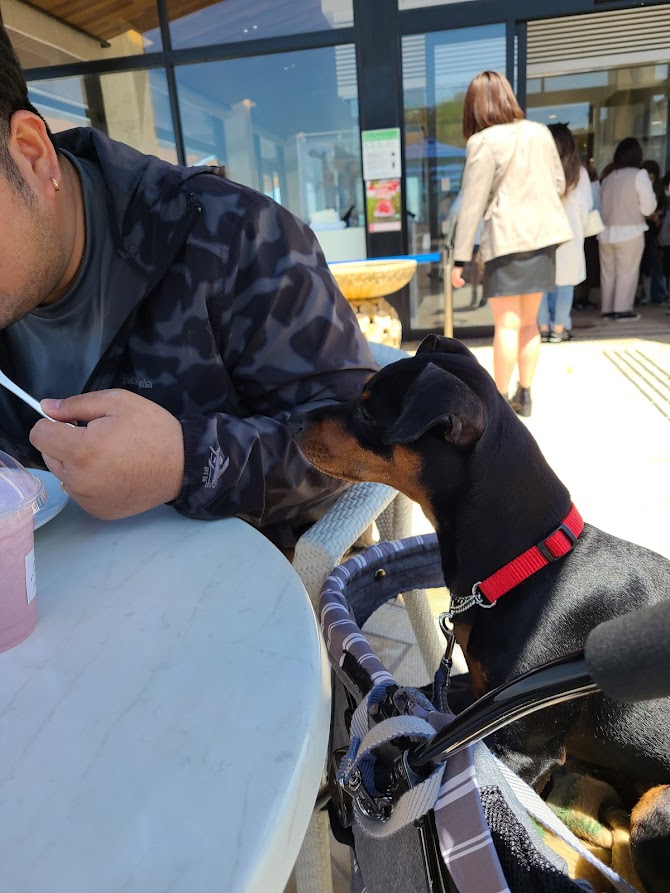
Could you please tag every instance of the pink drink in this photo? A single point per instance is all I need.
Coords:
(18, 610)
(21, 495)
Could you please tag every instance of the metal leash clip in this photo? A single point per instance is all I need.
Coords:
(476, 598)
(450, 639)
(378, 808)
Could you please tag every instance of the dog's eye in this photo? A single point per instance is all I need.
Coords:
(364, 414)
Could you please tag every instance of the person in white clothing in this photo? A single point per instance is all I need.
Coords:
(554, 314)
(627, 197)
(583, 289)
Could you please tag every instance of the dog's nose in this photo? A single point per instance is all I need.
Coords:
(296, 424)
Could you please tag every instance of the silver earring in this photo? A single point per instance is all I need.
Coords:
(56, 184)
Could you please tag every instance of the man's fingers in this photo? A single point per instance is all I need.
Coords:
(129, 457)
(54, 465)
(55, 440)
(84, 407)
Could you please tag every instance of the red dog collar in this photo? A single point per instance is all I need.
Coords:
(551, 548)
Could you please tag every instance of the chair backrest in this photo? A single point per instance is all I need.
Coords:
(317, 552)
(385, 355)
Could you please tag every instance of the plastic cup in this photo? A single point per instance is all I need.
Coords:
(21, 495)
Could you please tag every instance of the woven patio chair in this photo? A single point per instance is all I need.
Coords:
(317, 552)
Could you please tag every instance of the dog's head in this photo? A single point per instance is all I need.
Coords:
(411, 427)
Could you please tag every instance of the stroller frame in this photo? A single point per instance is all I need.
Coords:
(397, 763)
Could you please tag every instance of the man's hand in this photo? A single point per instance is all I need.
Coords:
(457, 277)
(128, 459)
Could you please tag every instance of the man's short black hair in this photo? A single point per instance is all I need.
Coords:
(13, 98)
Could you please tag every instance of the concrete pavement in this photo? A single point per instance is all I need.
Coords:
(601, 415)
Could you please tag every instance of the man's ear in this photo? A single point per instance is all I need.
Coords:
(435, 399)
(32, 150)
(440, 344)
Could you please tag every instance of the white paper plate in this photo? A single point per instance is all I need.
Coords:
(56, 498)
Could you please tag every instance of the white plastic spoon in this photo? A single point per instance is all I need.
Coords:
(31, 401)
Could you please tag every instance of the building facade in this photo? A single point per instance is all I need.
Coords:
(348, 112)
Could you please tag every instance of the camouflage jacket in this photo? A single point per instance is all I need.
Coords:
(233, 320)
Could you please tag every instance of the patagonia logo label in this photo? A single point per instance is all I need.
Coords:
(215, 467)
(137, 382)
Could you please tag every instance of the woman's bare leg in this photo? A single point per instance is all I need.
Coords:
(516, 338)
(507, 323)
(529, 338)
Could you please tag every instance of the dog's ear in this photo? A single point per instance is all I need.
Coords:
(440, 344)
(437, 398)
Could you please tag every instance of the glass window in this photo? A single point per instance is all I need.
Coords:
(131, 107)
(437, 69)
(415, 4)
(603, 107)
(200, 23)
(287, 125)
(44, 33)
(606, 75)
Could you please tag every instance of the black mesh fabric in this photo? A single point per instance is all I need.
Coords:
(526, 870)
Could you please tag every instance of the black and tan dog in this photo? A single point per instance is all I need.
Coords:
(435, 427)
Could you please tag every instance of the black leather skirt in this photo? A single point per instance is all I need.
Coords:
(520, 274)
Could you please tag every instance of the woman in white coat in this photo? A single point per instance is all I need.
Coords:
(514, 180)
(554, 314)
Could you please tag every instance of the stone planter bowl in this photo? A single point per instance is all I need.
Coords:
(359, 280)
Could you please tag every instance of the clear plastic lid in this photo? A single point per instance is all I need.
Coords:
(19, 490)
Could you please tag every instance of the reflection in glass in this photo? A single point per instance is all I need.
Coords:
(286, 125)
(198, 23)
(131, 107)
(416, 4)
(437, 69)
(603, 107)
(606, 74)
(44, 33)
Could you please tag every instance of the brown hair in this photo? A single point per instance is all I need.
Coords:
(591, 170)
(567, 152)
(489, 100)
(628, 153)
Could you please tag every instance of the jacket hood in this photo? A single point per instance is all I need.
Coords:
(147, 197)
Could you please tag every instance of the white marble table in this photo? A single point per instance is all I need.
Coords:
(165, 726)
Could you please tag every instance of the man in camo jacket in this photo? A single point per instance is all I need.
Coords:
(187, 314)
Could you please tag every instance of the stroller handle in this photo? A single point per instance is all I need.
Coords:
(561, 680)
(610, 662)
(614, 648)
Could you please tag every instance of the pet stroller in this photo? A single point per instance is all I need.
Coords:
(423, 804)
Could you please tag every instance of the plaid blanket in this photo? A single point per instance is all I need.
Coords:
(595, 813)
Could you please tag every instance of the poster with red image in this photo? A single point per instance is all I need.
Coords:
(384, 205)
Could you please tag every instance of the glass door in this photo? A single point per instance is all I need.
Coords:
(437, 68)
(602, 98)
